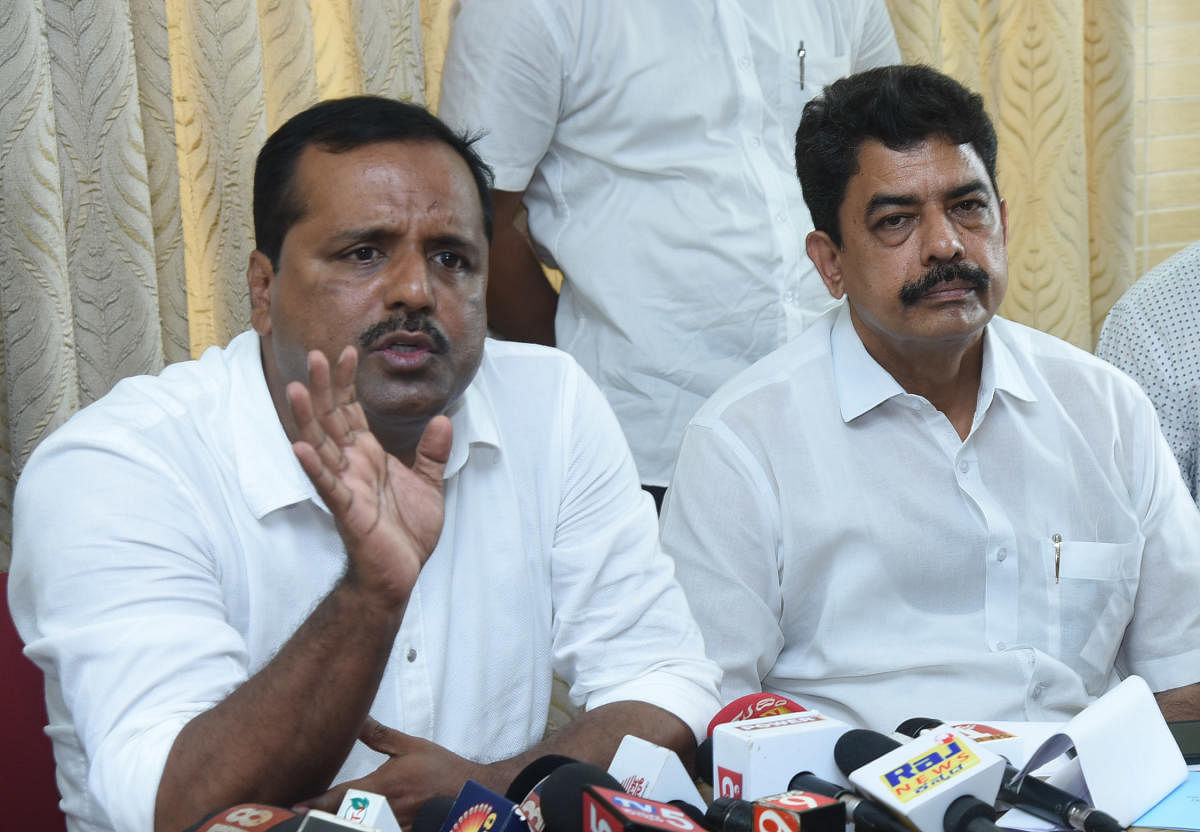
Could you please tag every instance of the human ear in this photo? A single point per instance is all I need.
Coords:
(826, 256)
(259, 276)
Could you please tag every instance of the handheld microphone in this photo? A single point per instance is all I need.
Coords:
(478, 807)
(432, 814)
(527, 787)
(562, 794)
(791, 811)
(938, 782)
(750, 706)
(648, 770)
(867, 816)
(756, 757)
(1032, 795)
(610, 810)
(262, 818)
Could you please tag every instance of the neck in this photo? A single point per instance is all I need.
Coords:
(947, 374)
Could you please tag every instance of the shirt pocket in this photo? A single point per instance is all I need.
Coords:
(1094, 597)
(1092, 561)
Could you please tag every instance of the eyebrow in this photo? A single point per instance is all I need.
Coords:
(888, 200)
(379, 234)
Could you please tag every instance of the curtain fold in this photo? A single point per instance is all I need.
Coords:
(128, 132)
(1057, 78)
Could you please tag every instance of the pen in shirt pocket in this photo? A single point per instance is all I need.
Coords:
(1056, 539)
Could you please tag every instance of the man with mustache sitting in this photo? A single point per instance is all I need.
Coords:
(354, 546)
(918, 506)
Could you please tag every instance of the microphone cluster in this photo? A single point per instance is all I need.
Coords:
(807, 773)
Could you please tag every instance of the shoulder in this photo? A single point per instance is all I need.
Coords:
(1059, 366)
(797, 377)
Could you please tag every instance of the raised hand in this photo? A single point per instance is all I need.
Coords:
(388, 514)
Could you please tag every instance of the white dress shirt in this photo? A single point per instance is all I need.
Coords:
(167, 543)
(655, 143)
(840, 544)
(1153, 334)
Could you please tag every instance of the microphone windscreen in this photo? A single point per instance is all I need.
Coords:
(432, 814)
(693, 812)
(562, 794)
(752, 706)
(704, 760)
(246, 815)
(918, 724)
(858, 746)
(532, 774)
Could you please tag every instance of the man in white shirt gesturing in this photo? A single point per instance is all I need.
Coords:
(356, 544)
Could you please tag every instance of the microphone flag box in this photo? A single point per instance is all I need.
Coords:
(799, 811)
(608, 810)
(647, 770)
(758, 757)
(317, 821)
(921, 778)
(479, 809)
(368, 809)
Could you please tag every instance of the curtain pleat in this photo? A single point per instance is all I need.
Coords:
(129, 128)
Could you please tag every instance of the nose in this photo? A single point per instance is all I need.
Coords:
(408, 282)
(942, 241)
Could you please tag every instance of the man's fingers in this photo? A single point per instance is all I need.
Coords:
(434, 450)
(378, 737)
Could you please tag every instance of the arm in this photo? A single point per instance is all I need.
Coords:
(1180, 703)
(418, 769)
(520, 301)
(295, 720)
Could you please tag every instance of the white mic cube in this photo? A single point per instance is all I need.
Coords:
(920, 779)
(754, 758)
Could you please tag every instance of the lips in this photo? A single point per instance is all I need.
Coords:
(403, 341)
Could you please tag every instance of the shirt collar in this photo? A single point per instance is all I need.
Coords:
(863, 384)
(268, 471)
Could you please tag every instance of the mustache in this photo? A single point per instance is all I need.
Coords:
(406, 323)
(914, 290)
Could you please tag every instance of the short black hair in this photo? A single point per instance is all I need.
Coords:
(339, 125)
(900, 106)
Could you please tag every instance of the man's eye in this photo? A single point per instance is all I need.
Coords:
(363, 254)
(893, 221)
(450, 260)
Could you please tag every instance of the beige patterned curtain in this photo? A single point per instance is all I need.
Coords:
(128, 131)
(1057, 76)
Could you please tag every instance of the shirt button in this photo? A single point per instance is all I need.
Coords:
(755, 141)
(964, 466)
(412, 654)
(1036, 693)
(744, 63)
(1002, 555)
(781, 217)
(1000, 645)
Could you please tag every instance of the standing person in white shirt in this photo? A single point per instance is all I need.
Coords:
(919, 507)
(355, 545)
(1153, 334)
(651, 145)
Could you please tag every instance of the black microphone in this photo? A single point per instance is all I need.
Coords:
(794, 809)
(526, 788)
(704, 761)
(867, 816)
(562, 794)
(693, 812)
(729, 814)
(859, 747)
(432, 814)
(1032, 795)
